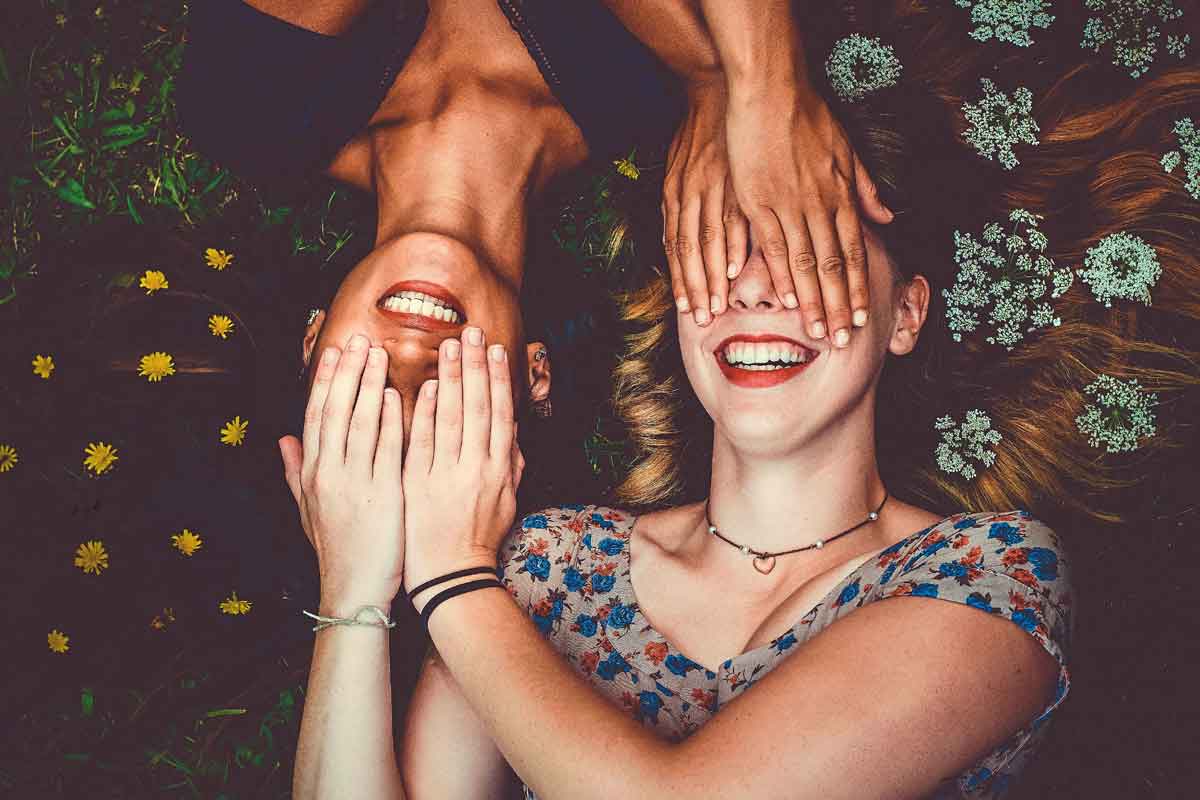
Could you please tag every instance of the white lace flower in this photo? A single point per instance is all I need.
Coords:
(1189, 143)
(1007, 20)
(1008, 275)
(1128, 28)
(968, 440)
(858, 66)
(1121, 414)
(1121, 265)
(998, 122)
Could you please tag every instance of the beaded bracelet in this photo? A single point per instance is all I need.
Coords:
(328, 622)
(454, 591)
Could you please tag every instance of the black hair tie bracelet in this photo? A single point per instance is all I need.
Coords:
(450, 576)
(455, 591)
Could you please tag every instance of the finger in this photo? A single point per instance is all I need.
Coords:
(737, 234)
(712, 244)
(850, 232)
(831, 271)
(447, 435)
(364, 424)
(389, 459)
(804, 277)
(476, 396)
(419, 458)
(335, 420)
(315, 409)
(503, 424)
(868, 195)
(766, 230)
(691, 261)
(670, 230)
(293, 456)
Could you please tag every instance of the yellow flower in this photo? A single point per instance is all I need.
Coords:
(8, 458)
(43, 366)
(153, 280)
(57, 641)
(155, 365)
(217, 259)
(234, 431)
(60, 20)
(91, 557)
(220, 325)
(100, 456)
(162, 620)
(187, 542)
(233, 605)
(627, 168)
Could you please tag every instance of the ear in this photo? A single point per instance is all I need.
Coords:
(310, 336)
(912, 306)
(539, 371)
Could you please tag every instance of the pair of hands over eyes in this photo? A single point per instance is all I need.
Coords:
(774, 168)
(381, 516)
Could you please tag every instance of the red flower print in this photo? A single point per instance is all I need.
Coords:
(543, 607)
(704, 697)
(538, 548)
(655, 651)
(902, 590)
(602, 614)
(627, 701)
(974, 558)
(588, 661)
(576, 525)
(1025, 577)
(960, 542)
(606, 645)
(606, 568)
(1015, 555)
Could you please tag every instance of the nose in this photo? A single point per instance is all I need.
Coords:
(753, 289)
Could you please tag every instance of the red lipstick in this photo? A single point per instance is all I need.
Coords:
(420, 321)
(760, 379)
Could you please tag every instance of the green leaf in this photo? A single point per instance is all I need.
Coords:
(123, 129)
(117, 144)
(132, 211)
(87, 702)
(122, 280)
(114, 114)
(71, 191)
(225, 712)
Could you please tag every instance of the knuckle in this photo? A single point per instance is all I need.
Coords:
(775, 247)
(856, 257)
(684, 247)
(709, 234)
(804, 264)
(832, 265)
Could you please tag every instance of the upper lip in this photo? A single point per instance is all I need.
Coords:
(760, 337)
(424, 287)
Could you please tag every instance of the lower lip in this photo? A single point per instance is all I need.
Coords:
(759, 378)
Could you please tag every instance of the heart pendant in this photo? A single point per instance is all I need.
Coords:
(768, 564)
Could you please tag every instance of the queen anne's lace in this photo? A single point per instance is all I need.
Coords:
(1121, 265)
(998, 122)
(858, 66)
(1008, 275)
(1189, 143)
(1128, 28)
(1007, 20)
(1121, 414)
(966, 440)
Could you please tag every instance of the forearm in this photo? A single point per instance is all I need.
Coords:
(551, 726)
(675, 32)
(758, 42)
(346, 748)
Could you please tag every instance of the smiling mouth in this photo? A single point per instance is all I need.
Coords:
(423, 305)
(757, 361)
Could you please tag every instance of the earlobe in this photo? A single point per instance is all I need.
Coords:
(538, 358)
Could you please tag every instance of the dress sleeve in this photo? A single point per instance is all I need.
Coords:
(1009, 564)
(534, 558)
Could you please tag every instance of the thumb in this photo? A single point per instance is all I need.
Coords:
(868, 194)
(292, 454)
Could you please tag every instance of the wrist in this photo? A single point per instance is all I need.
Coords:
(347, 604)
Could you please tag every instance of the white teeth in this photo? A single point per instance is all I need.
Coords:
(422, 304)
(764, 355)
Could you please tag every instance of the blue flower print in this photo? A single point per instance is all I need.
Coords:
(1008, 534)
(587, 541)
(573, 579)
(1026, 618)
(982, 602)
(538, 567)
(575, 507)
(663, 689)
(535, 521)
(1045, 563)
(967, 522)
(543, 624)
(680, 664)
(933, 547)
(952, 569)
(848, 594)
(587, 625)
(648, 705)
(600, 522)
(784, 642)
(977, 777)
(887, 573)
(602, 583)
(610, 547)
(620, 617)
(609, 667)
(925, 590)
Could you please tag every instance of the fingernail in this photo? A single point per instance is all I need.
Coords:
(702, 316)
(714, 303)
(860, 317)
(452, 349)
(358, 342)
(790, 300)
(390, 394)
(475, 336)
(682, 304)
(431, 388)
(732, 271)
(497, 352)
(818, 330)
(842, 337)
(330, 355)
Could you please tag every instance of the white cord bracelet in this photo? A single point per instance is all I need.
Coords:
(326, 622)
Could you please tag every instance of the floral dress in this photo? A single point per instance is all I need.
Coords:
(568, 567)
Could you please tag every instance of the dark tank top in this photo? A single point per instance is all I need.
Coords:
(275, 102)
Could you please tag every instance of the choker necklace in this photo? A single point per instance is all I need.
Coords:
(768, 559)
